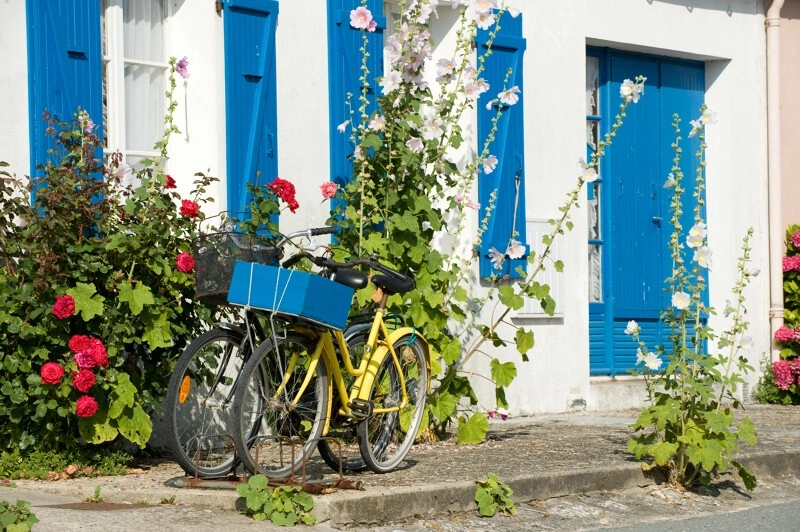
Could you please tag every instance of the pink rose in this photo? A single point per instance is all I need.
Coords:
(85, 359)
(98, 352)
(170, 183)
(83, 380)
(185, 262)
(51, 373)
(190, 209)
(86, 406)
(78, 343)
(328, 189)
(64, 307)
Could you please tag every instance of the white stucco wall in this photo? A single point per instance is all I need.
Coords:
(556, 378)
(14, 128)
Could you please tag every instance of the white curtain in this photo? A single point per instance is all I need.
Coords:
(144, 81)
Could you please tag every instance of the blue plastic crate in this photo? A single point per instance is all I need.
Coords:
(291, 292)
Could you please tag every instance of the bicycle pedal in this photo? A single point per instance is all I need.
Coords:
(360, 408)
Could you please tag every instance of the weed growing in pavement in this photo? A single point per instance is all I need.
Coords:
(96, 497)
(284, 506)
(494, 496)
(16, 517)
(168, 500)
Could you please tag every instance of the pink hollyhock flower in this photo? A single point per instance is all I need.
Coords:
(784, 334)
(328, 189)
(79, 343)
(170, 182)
(181, 67)
(783, 374)
(83, 380)
(185, 262)
(190, 209)
(98, 352)
(360, 18)
(64, 307)
(85, 360)
(796, 239)
(51, 373)
(86, 406)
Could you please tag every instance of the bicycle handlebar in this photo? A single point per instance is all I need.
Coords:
(324, 262)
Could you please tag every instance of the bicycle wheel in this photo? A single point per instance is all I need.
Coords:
(287, 423)
(342, 437)
(385, 438)
(197, 408)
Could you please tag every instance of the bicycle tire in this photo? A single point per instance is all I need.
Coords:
(385, 438)
(198, 404)
(285, 436)
(342, 437)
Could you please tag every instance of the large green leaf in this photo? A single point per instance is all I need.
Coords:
(136, 297)
(502, 373)
(87, 302)
(135, 425)
(473, 430)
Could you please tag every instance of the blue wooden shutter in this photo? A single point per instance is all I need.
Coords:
(508, 146)
(250, 96)
(344, 73)
(64, 67)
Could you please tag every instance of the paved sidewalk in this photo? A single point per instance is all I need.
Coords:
(538, 457)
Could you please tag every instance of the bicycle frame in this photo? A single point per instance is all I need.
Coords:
(379, 344)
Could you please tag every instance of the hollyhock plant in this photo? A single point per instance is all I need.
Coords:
(83, 380)
(51, 373)
(64, 307)
(86, 406)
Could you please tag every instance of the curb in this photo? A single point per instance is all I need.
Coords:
(387, 505)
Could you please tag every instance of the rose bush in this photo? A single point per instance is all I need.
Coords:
(96, 283)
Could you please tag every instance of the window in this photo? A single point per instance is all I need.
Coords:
(134, 76)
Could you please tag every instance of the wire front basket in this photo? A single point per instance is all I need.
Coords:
(215, 254)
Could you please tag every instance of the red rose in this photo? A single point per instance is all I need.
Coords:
(51, 373)
(64, 307)
(86, 406)
(79, 343)
(285, 192)
(98, 352)
(170, 182)
(185, 262)
(189, 209)
(83, 380)
(85, 360)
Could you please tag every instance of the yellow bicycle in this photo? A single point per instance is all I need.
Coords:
(295, 388)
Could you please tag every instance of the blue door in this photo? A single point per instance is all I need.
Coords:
(630, 206)
(250, 97)
(64, 67)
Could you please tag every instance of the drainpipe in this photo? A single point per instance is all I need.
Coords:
(776, 229)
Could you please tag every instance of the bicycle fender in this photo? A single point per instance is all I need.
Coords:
(233, 327)
(383, 350)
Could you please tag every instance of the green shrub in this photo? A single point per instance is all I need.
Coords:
(16, 517)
